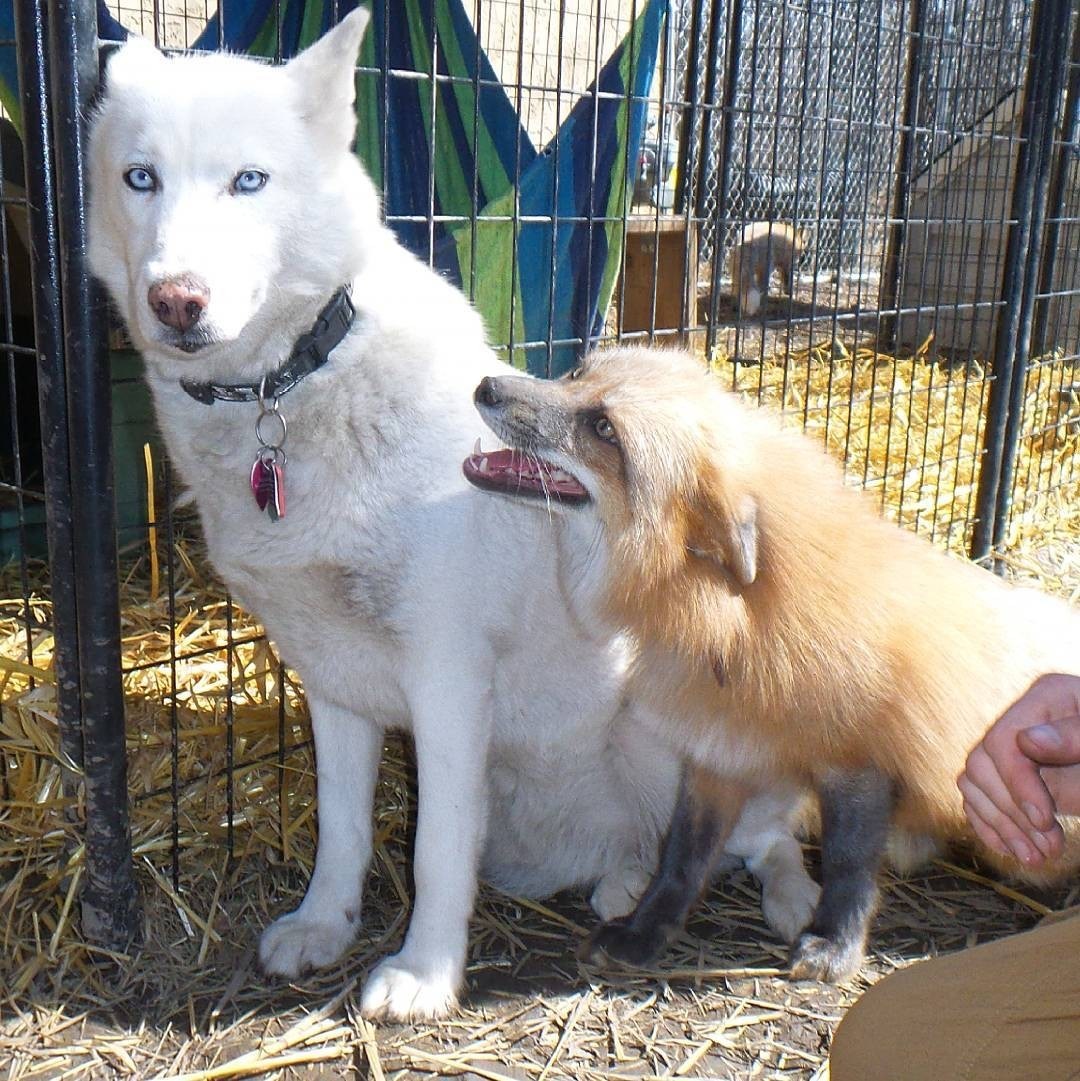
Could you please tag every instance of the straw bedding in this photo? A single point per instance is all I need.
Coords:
(189, 1001)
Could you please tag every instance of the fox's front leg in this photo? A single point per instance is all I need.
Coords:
(450, 705)
(765, 838)
(706, 810)
(856, 809)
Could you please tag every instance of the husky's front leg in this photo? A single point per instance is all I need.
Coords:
(347, 752)
(856, 808)
(451, 716)
(764, 837)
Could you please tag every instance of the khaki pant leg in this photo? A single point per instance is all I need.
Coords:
(1004, 1011)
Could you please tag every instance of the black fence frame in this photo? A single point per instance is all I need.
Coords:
(58, 72)
(58, 65)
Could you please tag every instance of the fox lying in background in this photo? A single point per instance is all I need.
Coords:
(765, 246)
(790, 631)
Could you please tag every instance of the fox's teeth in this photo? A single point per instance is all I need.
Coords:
(483, 467)
(476, 449)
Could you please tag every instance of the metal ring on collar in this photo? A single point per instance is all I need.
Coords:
(273, 454)
(269, 443)
(260, 395)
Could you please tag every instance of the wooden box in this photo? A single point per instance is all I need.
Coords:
(655, 261)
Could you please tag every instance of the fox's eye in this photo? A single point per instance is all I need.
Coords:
(140, 178)
(249, 181)
(605, 430)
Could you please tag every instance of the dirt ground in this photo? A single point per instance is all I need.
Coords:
(190, 1002)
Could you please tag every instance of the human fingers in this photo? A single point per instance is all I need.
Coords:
(1064, 785)
(1053, 742)
(1011, 839)
(1010, 777)
(985, 832)
(985, 792)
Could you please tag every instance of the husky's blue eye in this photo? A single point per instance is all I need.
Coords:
(249, 181)
(140, 178)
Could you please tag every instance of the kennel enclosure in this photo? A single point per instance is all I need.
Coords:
(582, 171)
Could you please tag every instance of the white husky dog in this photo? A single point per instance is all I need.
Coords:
(226, 213)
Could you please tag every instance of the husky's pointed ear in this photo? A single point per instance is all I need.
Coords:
(135, 58)
(724, 529)
(325, 74)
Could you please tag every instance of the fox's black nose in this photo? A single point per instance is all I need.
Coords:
(488, 393)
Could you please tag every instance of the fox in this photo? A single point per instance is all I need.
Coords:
(763, 247)
(793, 633)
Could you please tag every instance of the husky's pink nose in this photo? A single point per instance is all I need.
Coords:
(178, 302)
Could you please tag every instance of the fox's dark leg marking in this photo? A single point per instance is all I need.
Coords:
(700, 825)
(856, 808)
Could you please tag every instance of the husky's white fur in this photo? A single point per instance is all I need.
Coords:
(402, 596)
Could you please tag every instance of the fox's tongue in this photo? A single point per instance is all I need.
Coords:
(515, 473)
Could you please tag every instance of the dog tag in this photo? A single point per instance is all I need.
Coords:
(268, 486)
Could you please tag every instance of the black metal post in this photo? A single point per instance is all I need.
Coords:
(687, 129)
(109, 906)
(905, 174)
(30, 32)
(732, 68)
(1062, 159)
(1043, 89)
(712, 50)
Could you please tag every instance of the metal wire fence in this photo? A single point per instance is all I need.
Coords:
(925, 153)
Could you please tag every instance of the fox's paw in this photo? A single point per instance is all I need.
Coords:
(297, 943)
(620, 941)
(398, 990)
(815, 957)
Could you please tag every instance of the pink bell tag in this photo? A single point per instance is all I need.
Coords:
(268, 485)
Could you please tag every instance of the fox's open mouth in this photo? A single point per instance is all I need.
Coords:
(515, 472)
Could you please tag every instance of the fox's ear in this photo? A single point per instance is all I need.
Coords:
(325, 74)
(724, 529)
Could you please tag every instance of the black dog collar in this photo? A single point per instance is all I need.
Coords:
(311, 352)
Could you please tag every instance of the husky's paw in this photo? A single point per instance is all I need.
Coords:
(620, 941)
(399, 990)
(817, 958)
(617, 893)
(788, 903)
(297, 943)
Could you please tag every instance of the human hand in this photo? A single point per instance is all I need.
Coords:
(1026, 770)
